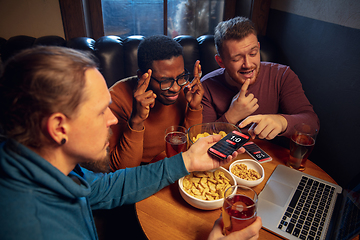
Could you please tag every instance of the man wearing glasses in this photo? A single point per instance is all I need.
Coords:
(161, 95)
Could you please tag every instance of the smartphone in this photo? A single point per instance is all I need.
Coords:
(228, 144)
(256, 152)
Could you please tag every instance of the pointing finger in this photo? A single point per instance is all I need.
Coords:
(197, 75)
(197, 69)
(248, 120)
(244, 88)
(143, 82)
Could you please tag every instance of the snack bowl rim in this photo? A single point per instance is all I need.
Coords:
(250, 163)
(205, 204)
(209, 124)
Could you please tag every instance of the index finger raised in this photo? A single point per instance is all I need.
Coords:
(143, 82)
(244, 88)
(197, 75)
(197, 68)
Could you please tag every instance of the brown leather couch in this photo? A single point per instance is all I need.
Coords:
(118, 56)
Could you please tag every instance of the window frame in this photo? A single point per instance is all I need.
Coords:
(83, 18)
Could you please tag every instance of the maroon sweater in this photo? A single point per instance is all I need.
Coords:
(278, 90)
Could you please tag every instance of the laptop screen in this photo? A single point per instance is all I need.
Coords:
(349, 214)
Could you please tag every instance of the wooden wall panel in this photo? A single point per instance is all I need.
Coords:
(72, 13)
(96, 19)
(260, 15)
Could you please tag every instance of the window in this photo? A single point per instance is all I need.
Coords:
(84, 18)
(131, 17)
(141, 17)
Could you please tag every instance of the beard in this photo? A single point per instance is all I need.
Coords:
(257, 73)
(98, 166)
(239, 81)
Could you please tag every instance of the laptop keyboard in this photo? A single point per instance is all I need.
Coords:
(306, 214)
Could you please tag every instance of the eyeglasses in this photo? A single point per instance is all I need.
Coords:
(169, 82)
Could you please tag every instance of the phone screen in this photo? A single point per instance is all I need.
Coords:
(228, 144)
(256, 152)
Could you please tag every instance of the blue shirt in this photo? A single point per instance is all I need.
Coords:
(37, 201)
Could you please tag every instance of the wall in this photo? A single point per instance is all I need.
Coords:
(320, 42)
(341, 12)
(34, 18)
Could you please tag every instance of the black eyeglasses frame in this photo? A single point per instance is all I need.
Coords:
(186, 74)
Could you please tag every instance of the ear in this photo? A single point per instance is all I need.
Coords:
(56, 126)
(219, 61)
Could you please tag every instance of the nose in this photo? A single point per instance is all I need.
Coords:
(111, 119)
(175, 87)
(246, 63)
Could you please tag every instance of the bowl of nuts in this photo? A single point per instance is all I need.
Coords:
(205, 190)
(247, 172)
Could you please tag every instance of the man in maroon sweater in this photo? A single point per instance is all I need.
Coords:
(245, 91)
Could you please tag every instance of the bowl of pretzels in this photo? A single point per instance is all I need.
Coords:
(205, 189)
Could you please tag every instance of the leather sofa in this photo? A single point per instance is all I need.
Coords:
(117, 56)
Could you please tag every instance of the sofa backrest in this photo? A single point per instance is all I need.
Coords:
(118, 56)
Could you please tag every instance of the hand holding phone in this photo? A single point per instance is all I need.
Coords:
(256, 152)
(228, 144)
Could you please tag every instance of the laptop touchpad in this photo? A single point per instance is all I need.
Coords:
(276, 192)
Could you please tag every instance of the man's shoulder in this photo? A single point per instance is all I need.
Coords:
(274, 69)
(123, 88)
(128, 82)
(213, 75)
(273, 65)
(16, 199)
(15, 209)
(275, 72)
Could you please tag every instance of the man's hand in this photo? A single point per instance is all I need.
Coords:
(194, 91)
(249, 233)
(142, 102)
(197, 158)
(242, 105)
(268, 126)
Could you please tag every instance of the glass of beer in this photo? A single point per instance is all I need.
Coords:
(176, 140)
(239, 209)
(301, 144)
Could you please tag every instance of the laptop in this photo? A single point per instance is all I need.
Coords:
(296, 205)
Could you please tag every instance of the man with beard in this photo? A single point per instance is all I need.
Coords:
(247, 92)
(55, 115)
(145, 111)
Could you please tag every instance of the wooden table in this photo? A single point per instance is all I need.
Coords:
(166, 215)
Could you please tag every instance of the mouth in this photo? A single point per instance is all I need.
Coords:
(171, 97)
(248, 73)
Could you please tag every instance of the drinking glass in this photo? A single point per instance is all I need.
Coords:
(239, 209)
(176, 140)
(301, 144)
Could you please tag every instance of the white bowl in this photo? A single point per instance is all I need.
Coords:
(251, 164)
(205, 204)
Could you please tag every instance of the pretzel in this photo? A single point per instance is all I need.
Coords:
(205, 134)
(206, 185)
